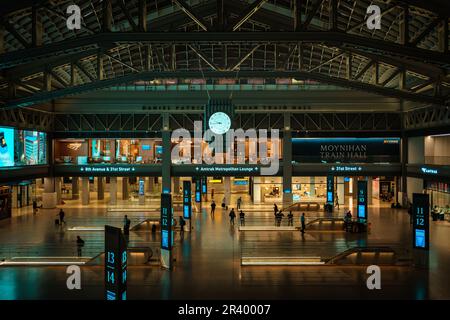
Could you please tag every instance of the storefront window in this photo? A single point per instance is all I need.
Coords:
(92, 151)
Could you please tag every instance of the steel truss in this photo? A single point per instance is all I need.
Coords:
(427, 117)
(27, 119)
(304, 122)
(319, 40)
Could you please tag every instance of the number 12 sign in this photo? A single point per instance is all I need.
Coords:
(421, 224)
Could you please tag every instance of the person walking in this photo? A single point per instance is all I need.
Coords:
(239, 202)
(80, 245)
(290, 219)
(182, 224)
(61, 215)
(224, 202)
(242, 218)
(126, 225)
(232, 216)
(213, 208)
(302, 221)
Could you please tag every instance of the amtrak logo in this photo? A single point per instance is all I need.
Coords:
(429, 171)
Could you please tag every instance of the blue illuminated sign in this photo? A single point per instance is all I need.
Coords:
(187, 205)
(346, 168)
(198, 190)
(419, 239)
(362, 200)
(141, 187)
(204, 185)
(115, 264)
(429, 171)
(6, 147)
(330, 196)
(330, 190)
(166, 221)
(421, 225)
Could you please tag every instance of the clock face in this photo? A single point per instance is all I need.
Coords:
(219, 123)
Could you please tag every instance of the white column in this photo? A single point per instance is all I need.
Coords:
(340, 190)
(75, 188)
(416, 155)
(414, 185)
(149, 183)
(312, 185)
(15, 191)
(125, 194)
(113, 190)
(257, 190)
(227, 190)
(58, 187)
(49, 197)
(416, 150)
(100, 188)
(85, 194)
(176, 185)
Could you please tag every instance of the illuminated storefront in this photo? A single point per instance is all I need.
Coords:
(112, 151)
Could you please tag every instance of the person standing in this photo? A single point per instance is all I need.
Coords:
(35, 207)
(232, 216)
(302, 221)
(290, 219)
(213, 208)
(239, 202)
(80, 245)
(61, 215)
(126, 225)
(182, 224)
(242, 218)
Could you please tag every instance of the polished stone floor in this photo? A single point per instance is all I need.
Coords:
(207, 262)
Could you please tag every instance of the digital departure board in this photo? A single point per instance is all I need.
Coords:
(421, 224)
(330, 190)
(187, 205)
(362, 200)
(115, 264)
(198, 190)
(166, 221)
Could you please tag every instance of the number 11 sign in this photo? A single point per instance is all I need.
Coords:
(421, 224)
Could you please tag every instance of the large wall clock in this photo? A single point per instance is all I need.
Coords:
(219, 123)
(218, 116)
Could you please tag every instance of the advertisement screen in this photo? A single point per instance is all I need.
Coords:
(6, 147)
(22, 147)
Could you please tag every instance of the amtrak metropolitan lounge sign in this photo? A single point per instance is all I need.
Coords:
(226, 170)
